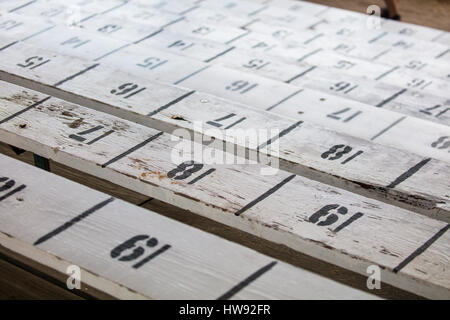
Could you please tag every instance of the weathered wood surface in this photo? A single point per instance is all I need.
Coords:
(276, 251)
(402, 87)
(280, 208)
(420, 184)
(218, 17)
(61, 223)
(300, 9)
(361, 115)
(392, 79)
(211, 47)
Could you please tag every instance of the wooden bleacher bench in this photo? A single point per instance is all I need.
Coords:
(358, 144)
(129, 252)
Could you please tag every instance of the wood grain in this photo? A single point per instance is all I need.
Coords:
(298, 67)
(164, 113)
(59, 236)
(145, 170)
(279, 252)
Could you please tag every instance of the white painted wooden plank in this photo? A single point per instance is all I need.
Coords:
(251, 89)
(252, 8)
(357, 120)
(434, 143)
(399, 27)
(131, 6)
(186, 46)
(14, 5)
(352, 85)
(172, 7)
(339, 23)
(417, 31)
(75, 41)
(154, 64)
(340, 45)
(413, 99)
(413, 82)
(359, 33)
(356, 49)
(340, 50)
(190, 264)
(96, 10)
(278, 9)
(341, 16)
(148, 102)
(279, 208)
(316, 42)
(437, 105)
(67, 12)
(18, 27)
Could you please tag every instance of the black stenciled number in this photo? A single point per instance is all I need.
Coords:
(343, 85)
(33, 62)
(438, 108)
(217, 17)
(124, 88)
(203, 30)
(151, 63)
(345, 32)
(323, 217)
(407, 31)
(135, 247)
(280, 34)
(339, 86)
(344, 64)
(415, 64)
(287, 18)
(216, 123)
(237, 85)
(75, 42)
(339, 150)
(52, 12)
(337, 154)
(255, 64)
(129, 89)
(180, 44)
(7, 185)
(241, 86)
(343, 48)
(137, 250)
(261, 45)
(403, 44)
(144, 15)
(109, 28)
(230, 5)
(79, 135)
(9, 24)
(184, 170)
(338, 115)
(418, 82)
(442, 143)
(295, 7)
